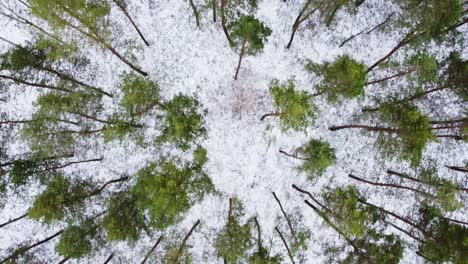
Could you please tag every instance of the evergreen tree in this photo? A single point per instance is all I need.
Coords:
(75, 241)
(89, 18)
(295, 109)
(343, 78)
(235, 240)
(167, 189)
(61, 198)
(424, 21)
(250, 35)
(123, 221)
(407, 136)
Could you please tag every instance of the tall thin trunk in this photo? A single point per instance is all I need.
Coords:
(396, 216)
(223, 22)
(348, 240)
(399, 74)
(184, 242)
(124, 10)
(368, 32)
(369, 128)
(419, 95)
(195, 12)
(460, 169)
(96, 38)
(299, 19)
(244, 42)
(109, 258)
(288, 220)
(391, 186)
(13, 220)
(456, 137)
(312, 198)
(213, 2)
(152, 249)
(437, 122)
(70, 163)
(106, 184)
(67, 77)
(269, 114)
(285, 245)
(64, 260)
(39, 85)
(27, 248)
(259, 234)
(405, 232)
(401, 44)
(292, 155)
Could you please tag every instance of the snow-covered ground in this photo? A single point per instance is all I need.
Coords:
(243, 152)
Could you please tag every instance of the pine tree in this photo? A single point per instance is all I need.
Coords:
(343, 78)
(75, 241)
(424, 21)
(407, 135)
(235, 240)
(87, 18)
(249, 35)
(62, 197)
(316, 157)
(295, 109)
(166, 189)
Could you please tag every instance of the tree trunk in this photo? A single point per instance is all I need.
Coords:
(437, 122)
(285, 245)
(13, 220)
(369, 128)
(368, 32)
(396, 216)
(27, 248)
(329, 222)
(456, 137)
(460, 169)
(195, 13)
(124, 10)
(244, 42)
(392, 76)
(292, 155)
(68, 164)
(64, 260)
(293, 233)
(259, 234)
(312, 198)
(405, 232)
(391, 186)
(106, 184)
(67, 77)
(109, 258)
(39, 85)
(96, 38)
(401, 44)
(184, 242)
(213, 2)
(269, 114)
(297, 22)
(223, 22)
(152, 249)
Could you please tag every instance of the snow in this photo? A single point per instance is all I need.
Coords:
(243, 152)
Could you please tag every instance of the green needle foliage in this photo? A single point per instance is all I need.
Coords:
(347, 213)
(411, 128)
(140, 95)
(295, 109)
(318, 157)
(235, 240)
(22, 170)
(250, 32)
(457, 73)
(123, 221)
(166, 189)
(183, 122)
(249, 35)
(343, 78)
(329, 9)
(431, 18)
(446, 241)
(61, 198)
(75, 241)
